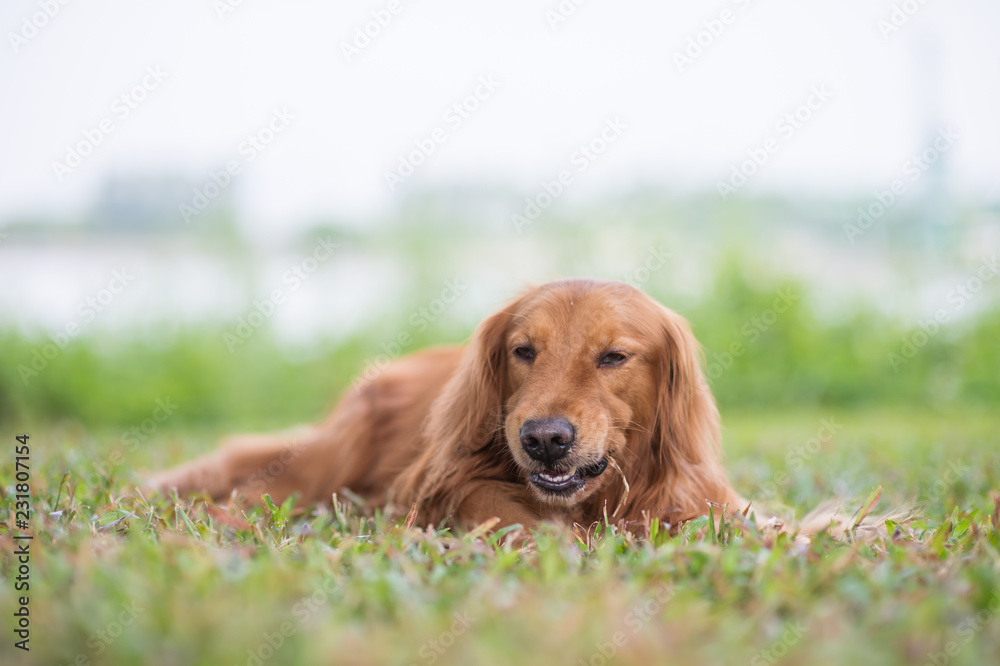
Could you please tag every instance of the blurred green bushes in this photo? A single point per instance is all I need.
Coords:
(756, 357)
(861, 357)
(96, 380)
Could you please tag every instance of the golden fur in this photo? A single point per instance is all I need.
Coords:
(440, 428)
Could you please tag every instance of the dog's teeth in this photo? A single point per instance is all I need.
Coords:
(558, 478)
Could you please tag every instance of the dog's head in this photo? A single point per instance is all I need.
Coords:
(575, 374)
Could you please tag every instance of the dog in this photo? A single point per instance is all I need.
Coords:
(577, 398)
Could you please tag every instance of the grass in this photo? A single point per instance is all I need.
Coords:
(121, 579)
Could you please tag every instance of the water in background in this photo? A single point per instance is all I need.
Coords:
(336, 280)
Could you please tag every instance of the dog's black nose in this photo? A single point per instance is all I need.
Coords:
(547, 440)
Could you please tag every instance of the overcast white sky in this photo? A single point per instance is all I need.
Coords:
(353, 119)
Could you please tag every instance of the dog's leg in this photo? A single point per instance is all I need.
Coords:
(313, 461)
(251, 464)
(510, 502)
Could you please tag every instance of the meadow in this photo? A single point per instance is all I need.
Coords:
(811, 411)
(123, 579)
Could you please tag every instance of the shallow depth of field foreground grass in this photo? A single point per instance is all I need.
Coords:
(118, 579)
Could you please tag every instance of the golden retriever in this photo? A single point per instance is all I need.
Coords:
(563, 382)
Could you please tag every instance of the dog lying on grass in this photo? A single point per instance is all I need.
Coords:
(578, 399)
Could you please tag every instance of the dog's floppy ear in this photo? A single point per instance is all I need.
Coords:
(685, 447)
(467, 417)
(687, 420)
(469, 412)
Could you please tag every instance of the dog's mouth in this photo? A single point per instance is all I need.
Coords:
(567, 482)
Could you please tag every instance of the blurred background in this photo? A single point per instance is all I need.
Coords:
(236, 207)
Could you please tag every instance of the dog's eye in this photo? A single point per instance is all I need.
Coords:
(523, 352)
(613, 358)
